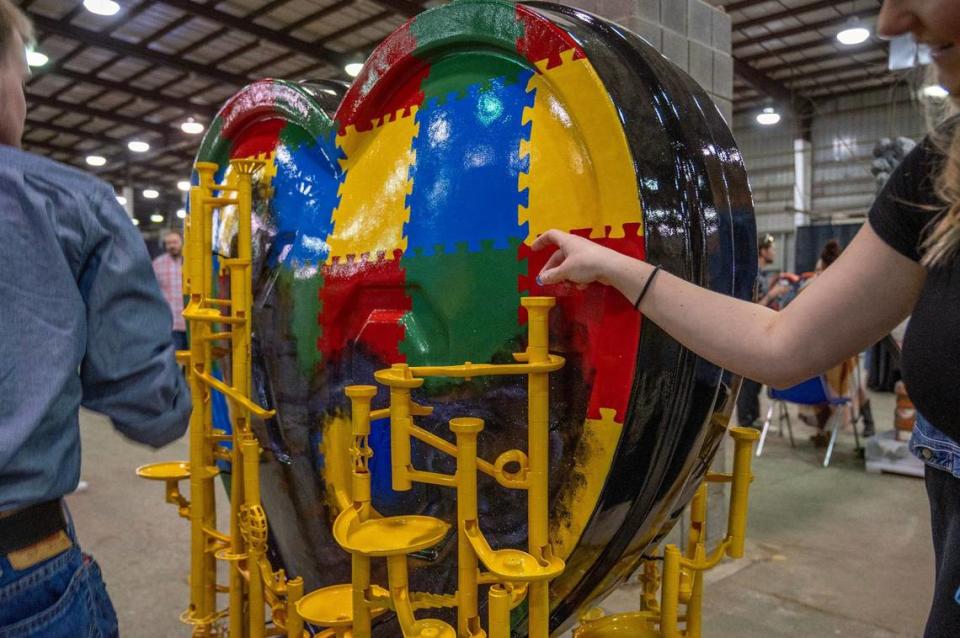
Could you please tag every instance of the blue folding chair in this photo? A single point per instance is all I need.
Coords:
(813, 391)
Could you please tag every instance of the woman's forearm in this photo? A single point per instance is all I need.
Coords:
(734, 334)
(868, 291)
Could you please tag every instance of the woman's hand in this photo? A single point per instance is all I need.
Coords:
(577, 260)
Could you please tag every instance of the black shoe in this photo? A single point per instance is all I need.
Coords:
(867, 414)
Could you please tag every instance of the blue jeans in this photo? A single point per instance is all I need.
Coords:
(942, 457)
(61, 597)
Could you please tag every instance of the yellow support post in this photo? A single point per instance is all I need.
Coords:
(360, 398)
(670, 594)
(499, 612)
(538, 435)
(743, 439)
(294, 620)
(202, 509)
(255, 523)
(400, 428)
(466, 430)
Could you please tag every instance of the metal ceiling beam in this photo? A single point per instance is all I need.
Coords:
(830, 71)
(102, 139)
(786, 13)
(99, 40)
(804, 28)
(743, 4)
(826, 57)
(143, 94)
(266, 34)
(815, 92)
(805, 46)
(68, 107)
(316, 15)
(406, 8)
(763, 83)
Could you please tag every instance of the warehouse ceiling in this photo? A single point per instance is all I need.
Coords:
(140, 74)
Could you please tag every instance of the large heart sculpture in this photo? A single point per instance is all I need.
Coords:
(398, 230)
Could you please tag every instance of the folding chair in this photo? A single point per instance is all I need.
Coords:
(813, 391)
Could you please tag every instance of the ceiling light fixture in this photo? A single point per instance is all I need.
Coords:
(181, 213)
(101, 7)
(36, 58)
(136, 222)
(96, 160)
(121, 200)
(156, 218)
(853, 33)
(934, 91)
(138, 146)
(353, 69)
(151, 193)
(191, 127)
(768, 116)
(183, 185)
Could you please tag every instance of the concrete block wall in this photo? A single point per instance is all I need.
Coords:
(690, 33)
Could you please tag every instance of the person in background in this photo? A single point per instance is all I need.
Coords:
(168, 268)
(82, 322)
(904, 261)
(748, 401)
(839, 377)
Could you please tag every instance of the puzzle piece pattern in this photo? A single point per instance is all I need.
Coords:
(373, 210)
(465, 176)
(362, 301)
(581, 172)
(451, 321)
(542, 43)
(601, 322)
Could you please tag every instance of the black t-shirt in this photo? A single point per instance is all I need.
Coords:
(905, 211)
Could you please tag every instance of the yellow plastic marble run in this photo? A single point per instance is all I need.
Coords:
(511, 575)
(677, 613)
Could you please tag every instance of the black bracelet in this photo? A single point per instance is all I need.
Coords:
(646, 287)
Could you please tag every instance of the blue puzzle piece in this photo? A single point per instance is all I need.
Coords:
(466, 173)
(305, 195)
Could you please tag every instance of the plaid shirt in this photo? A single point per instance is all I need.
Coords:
(169, 272)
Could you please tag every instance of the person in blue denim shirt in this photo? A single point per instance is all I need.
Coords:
(82, 322)
(903, 262)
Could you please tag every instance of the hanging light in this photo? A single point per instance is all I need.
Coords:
(101, 7)
(96, 160)
(934, 91)
(151, 193)
(853, 33)
(121, 200)
(156, 218)
(183, 185)
(353, 69)
(138, 146)
(768, 116)
(191, 127)
(181, 213)
(136, 222)
(36, 58)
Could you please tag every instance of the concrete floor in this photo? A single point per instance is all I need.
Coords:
(835, 552)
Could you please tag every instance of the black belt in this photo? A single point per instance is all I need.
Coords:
(31, 525)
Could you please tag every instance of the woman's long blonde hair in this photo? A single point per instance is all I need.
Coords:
(942, 243)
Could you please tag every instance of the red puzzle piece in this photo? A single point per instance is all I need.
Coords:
(603, 321)
(363, 301)
(364, 104)
(542, 40)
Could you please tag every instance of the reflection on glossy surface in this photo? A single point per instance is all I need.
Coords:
(398, 229)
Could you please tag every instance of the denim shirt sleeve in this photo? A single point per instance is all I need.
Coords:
(129, 372)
